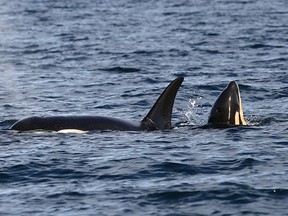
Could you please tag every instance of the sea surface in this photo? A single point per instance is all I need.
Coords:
(114, 58)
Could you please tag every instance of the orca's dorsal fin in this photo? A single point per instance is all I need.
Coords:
(159, 117)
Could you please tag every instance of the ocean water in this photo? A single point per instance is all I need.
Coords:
(114, 58)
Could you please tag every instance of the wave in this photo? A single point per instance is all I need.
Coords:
(121, 69)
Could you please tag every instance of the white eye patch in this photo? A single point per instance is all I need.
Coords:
(71, 131)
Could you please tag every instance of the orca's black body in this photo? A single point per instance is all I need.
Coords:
(158, 118)
(227, 109)
(83, 123)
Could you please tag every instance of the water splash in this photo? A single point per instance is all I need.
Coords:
(194, 112)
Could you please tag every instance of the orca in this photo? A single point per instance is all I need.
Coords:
(227, 109)
(158, 118)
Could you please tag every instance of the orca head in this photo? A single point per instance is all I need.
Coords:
(227, 110)
(159, 117)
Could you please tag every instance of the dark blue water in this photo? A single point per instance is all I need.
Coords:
(114, 59)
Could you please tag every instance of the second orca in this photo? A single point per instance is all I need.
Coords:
(227, 109)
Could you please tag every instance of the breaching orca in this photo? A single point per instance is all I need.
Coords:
(158, 118)
(227, 110)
